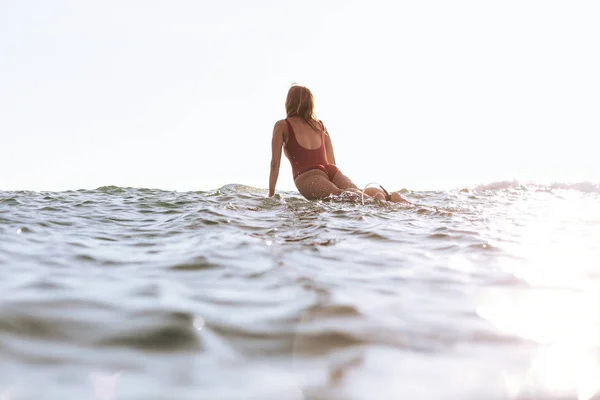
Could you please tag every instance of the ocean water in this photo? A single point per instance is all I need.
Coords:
(491, 292)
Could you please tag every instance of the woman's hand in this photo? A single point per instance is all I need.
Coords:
(276, 144)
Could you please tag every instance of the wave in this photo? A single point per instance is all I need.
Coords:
(584, 186)
(238, 188)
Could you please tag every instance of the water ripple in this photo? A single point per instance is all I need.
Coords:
(192, 291)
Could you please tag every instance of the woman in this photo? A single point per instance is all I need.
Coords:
(308, 146)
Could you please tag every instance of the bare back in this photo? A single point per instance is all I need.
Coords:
(306, 136)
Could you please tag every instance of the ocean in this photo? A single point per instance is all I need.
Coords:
(487, 292)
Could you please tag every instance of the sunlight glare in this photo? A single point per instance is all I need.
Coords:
(566, 324)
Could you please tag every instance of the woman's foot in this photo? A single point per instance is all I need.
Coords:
(379, 193)
(397, 198)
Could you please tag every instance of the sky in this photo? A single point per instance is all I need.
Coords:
(183, 95)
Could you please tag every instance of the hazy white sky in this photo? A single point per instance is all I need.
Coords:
(184, 94)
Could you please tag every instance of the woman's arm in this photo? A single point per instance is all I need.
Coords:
(329, 147)
(276, 144)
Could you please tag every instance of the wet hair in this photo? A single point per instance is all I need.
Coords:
(301, 103)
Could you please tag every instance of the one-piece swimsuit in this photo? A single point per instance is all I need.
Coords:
(303, 159)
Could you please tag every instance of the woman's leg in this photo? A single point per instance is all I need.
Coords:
(379, 193)
(343, 182)
(375, 192)
(315, 184)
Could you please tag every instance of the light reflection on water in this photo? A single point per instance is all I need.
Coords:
(556, 256)
(564, 325)
(104, 385)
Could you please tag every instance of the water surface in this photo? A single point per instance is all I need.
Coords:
(122, 293)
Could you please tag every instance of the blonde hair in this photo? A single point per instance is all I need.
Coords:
(301, 103)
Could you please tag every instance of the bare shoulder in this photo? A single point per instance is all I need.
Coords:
(280, 126)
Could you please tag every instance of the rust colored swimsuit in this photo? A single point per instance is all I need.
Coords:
(303, 159)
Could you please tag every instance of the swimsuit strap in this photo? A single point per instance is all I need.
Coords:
(290, 131)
